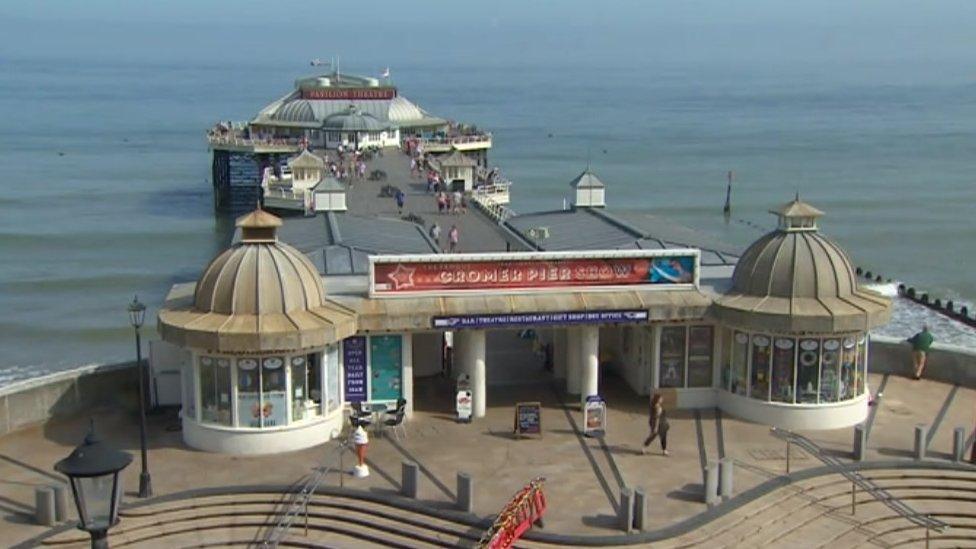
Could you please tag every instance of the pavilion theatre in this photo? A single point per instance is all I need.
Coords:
(279, 341)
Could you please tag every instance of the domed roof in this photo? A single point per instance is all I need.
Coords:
(260, 294)
(402, 110)
(796, 280)
(299, 110)
(353, 120)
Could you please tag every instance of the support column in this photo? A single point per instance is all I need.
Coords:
(559, 353)
(470, 347)
(589, 350)
(406, 382)
(573, 361)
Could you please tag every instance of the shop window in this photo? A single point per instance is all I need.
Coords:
(314, 368)
(783, 357)
(248, 393)
(672, 369)
(860, 377)
(847, 366)
(761, 355)
(215, 390)
(808, 371)
(274, 399)
(385, 365)
(333, 396)
(829, 368)
(299, 388)
(740, 363)
(700, 343)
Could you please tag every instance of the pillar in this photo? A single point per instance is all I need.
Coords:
(921, 430)
(559, 353)
(573, 361)
(406, 381)
(589, 351)
(470, 347)
(860, 442)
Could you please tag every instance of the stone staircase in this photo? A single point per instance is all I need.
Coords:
(813, 513)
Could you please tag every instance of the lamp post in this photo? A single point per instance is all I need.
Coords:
(93, 472)
(137, 315)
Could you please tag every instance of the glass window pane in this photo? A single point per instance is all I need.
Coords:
(672, 372)
(96, 493)
(783, 354)
(314, 371)
(829, 363)
(385, 367)
(700, 345)
(862, 355)
(740, 363)
(332, 378)
(273, 397)
(808, 371)
(299, 389)
(248, 393)
(215, 390)
(847, 366)
(761, 355)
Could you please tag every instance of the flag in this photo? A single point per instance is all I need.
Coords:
(386, 73)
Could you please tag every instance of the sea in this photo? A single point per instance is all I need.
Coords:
(106, 190)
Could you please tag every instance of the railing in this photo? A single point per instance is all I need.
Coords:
(237, 140)
(457, 139)
(285, 193)
(300, 499)
(493, 209)
(866, 485)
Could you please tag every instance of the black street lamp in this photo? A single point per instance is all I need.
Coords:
(137, 315)
(93, 472)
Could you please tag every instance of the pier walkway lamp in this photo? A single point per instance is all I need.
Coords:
(137, 315)
(93, 472)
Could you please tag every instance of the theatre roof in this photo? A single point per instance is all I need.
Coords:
(593, 229)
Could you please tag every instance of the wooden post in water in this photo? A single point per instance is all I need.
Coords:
(727, 210)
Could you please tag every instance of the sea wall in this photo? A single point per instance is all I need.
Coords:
(64, 394)
(946, 363)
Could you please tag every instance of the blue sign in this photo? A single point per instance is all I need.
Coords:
(354, 365)
(537, 319)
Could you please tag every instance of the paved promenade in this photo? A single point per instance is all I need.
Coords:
(584, 475)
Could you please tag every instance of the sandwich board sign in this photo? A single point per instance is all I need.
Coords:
(594, 416)
(463, 399)
(528, 419)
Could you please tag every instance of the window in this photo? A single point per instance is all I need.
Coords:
(760, 367)
(672, 368)
(333, 396)
(808, 371)
(385, 367)
(783, 355)
(215, 390)
(314, 367)
(299, 387)
(829, 365)
(248, 395)
(700, 340)
(274, 411)
(861, 372)
(847, 367)
(740, 363)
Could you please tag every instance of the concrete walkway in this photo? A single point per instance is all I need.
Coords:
(584, 475)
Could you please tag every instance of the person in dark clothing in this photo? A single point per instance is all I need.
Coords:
(400, 198)
(921, 343)
(658, 421)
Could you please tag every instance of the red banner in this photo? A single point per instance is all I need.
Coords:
(408, 277)
(349, 93)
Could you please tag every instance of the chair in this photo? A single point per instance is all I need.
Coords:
(359, 417)
(395, 418)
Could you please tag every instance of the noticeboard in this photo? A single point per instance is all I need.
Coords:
(528, 418)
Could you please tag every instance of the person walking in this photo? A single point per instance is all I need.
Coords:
(435, 234)
(454, 236)
(658, 421)
(921, 343)
(400, 199)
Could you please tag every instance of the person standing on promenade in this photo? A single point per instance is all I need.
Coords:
(456, 202)
(658, 421)
(454, 236)
(921, 343)
(400, 199)
(435, 234)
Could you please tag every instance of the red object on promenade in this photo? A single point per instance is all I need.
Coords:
(524, 510)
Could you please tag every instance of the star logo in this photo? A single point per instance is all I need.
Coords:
(402, 277)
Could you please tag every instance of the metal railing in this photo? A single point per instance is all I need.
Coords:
(299, 502)
(456, 139)
(495, 211)
(858, 480)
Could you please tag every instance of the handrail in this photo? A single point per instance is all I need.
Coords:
(301, 498)
(864, 484)
(496, 211)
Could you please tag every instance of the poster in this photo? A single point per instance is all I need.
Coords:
(354, 363)
(385, 358)
(595, 416)
(528, 418)
(760, 367)
(672, 372)
(783, 353)
(700, 356)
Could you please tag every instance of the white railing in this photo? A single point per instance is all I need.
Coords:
(457, 139)
(493, 209)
